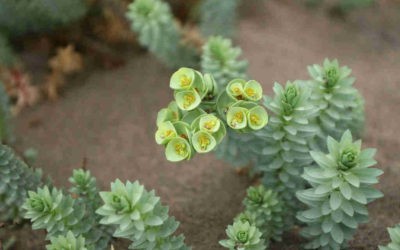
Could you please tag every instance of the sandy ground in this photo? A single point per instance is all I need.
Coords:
(108, 117)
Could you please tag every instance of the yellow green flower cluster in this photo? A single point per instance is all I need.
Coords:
(239, 104)
(194, 121)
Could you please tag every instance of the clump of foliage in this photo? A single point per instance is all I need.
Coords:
(15, 179)
(160, 33)
(153, 21)
(52, 210)
(244, 236)
(218, 17)
(84, 187)
(195, 121)
(173, 44)
(339, 103)
(343, 5)
(68, 242)
(87, 219)
(86, 193)
(268, 211)
(221, 59)
(394, 233)
(264, 215)
(282, 147)
(7, 56)
(5, 116)
(341, 187)
(139, 217)
(59, 213)
(27, 16)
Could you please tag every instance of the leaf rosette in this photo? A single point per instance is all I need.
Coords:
(341, 187)
(243, 236)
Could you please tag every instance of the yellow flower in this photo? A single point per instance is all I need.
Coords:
(255, 119)
(188, 100)
(204, 141)
(185, 81)
(236, 117)
(180, 149)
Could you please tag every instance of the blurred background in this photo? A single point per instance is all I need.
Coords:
(85, 82)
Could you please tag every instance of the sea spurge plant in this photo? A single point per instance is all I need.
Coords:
(159, 32)
(265, 209)
(221, 59)
(341, 187)
(68, 242)
(139, 217)
(16, 178)
(218, 17)
(83, 185)
(26, 16)
(343, 5)
(243, 236)
(394, 233)
(5, 115)
(58, 213)
(357, 122)
(51, 210)
(282, 147)
(86, 194)
(7, 56)
(196, 121)
(341, 106)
